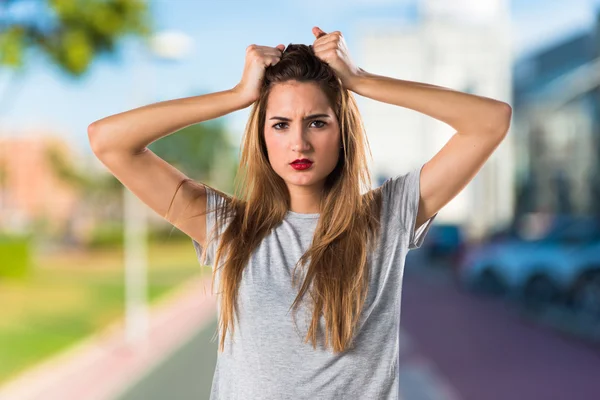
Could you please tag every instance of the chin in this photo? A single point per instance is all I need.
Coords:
(305, 181)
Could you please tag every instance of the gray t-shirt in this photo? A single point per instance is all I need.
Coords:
(269, 359)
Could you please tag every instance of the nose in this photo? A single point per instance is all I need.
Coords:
(299, 140)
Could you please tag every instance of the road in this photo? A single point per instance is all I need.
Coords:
(185, 374)
(487, 351)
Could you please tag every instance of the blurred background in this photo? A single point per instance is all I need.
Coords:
(101, 299)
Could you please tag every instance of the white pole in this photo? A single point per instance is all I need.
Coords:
(167, 45)
(135, 253)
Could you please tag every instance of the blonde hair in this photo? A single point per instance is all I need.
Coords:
(336, 268)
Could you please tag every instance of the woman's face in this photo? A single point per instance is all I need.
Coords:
(300, 124)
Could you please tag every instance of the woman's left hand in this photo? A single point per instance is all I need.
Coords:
(331, 48)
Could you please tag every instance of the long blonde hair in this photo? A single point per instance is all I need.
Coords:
(337, 275)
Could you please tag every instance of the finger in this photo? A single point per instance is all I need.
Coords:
(275, 60)
(267, 50)
(273, 52)
(318, 32)
(330, 44)
(324, 40)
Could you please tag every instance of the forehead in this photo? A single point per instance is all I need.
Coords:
(296, 97)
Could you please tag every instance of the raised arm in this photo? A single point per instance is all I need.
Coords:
(119, 141)
(481, 124)
(131, 131)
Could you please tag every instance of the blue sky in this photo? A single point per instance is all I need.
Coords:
(221, 31)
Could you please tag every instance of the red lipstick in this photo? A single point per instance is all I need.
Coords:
(301, 164)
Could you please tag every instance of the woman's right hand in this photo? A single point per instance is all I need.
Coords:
(258, 58)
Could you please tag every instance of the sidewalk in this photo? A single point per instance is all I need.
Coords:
(419, 377)
(103, 365)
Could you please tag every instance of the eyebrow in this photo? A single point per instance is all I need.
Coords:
(305, 118)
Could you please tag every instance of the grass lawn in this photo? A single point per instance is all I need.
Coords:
(70, 296)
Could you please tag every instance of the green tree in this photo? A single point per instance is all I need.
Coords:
(70, 32)
(198, 149)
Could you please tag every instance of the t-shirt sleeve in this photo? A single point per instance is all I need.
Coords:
(212, 200)
(401, 195)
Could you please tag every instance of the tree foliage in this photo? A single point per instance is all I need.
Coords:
(70, 32)
(197, 149)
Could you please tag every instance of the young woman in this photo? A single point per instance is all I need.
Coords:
(305, 232)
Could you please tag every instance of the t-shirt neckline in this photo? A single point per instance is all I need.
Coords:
(293, 214)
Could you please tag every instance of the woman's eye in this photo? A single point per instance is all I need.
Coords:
(319, 121)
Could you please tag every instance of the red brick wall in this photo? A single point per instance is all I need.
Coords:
(31, 188)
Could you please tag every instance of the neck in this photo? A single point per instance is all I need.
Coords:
(305, 199)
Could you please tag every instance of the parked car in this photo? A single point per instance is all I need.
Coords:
(563, 265)
(445, 242)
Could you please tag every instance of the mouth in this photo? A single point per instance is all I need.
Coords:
(301, 164)
(301, 161)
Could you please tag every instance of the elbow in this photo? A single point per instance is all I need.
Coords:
(94, 136)
(496, 120)
(91, 130)
(503, 117)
